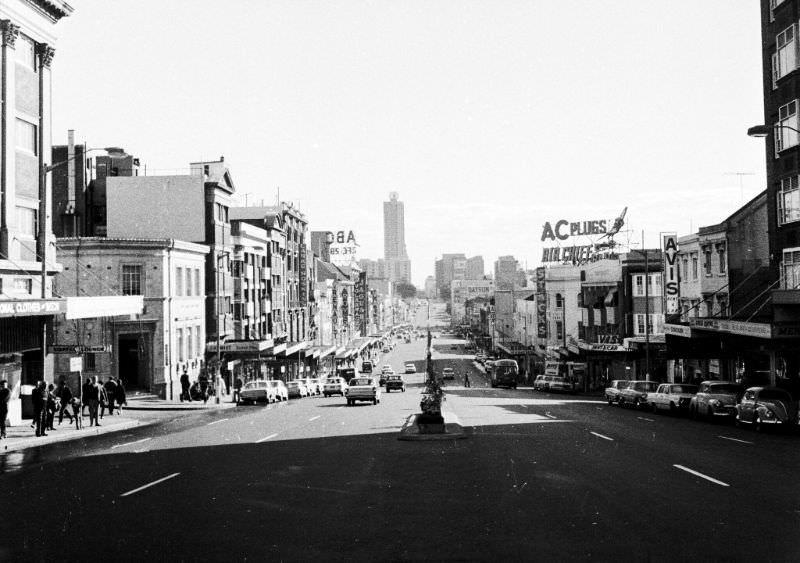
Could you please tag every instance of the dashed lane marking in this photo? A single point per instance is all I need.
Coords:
(115, 446)
(645, 418)
(734, 439)
(265, 439)
(547, 414)
(156, 482)
(313, 418)
(217, 421)
(698, 474)
(601, 436)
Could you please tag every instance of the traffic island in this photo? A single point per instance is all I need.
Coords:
(416, 430)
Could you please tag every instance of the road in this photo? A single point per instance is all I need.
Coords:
(541, 477)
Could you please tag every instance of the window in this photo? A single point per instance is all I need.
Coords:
(189, 281)
(198, 336)
(694, 266)
(179, 343)
(27, 221)
(786, 135)
(789, 200)
(707, 261)
(655, 284)
(26, 51)
(132, 279)
(772, 5)
(23, 285)
(26, 137)
(91, 362)
(686, 268)
(638, 327)
(559, 301)
(189, 343)
(197, 281)
(790, 269)
(785, 59)
(721, 255)
(638, 285)
(559, 330)
(653, 324)
(178, 282)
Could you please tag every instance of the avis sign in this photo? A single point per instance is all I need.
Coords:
(671, 281)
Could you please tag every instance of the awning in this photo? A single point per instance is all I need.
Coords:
(104, 306)
(295, 347)
(320, 352)
(326, 351)
(241, 346)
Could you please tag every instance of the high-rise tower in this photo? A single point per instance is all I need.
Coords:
(394, 240)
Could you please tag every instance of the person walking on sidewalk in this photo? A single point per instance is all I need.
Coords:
(237, 389)
(466, 380)
(39, 398)
(185, 387)
(103, 396)
(110, 387)
(91, 397)
(65, 396)
(5, 397)
(121, 398)
(51, 404)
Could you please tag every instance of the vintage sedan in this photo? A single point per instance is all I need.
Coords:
(635, 393)
(614, 388)
(279, 389)
(395, 382)
(334, 386)
(313, 385)
(716, 399)
(363, 389)
(297, 388)
(411, 368)
(256, 391)
(767, 406)
(673, 397)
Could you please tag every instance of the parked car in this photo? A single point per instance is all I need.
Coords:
(635, 393)
(716, 399)
(279, 389)
(256, 391)
(563, 384)
(411, 368)
(395, 382)
(363, 389)
(448, 373)
(297, 388)
(313, 385)
(767, 406)
(614, 388)
(674, 397)
(386, 368)
(334, 386)
(541, 382)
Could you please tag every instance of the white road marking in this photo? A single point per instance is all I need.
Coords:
(129, 443)
(340, 407)
(150, 485)
(265, 439)
(697, 473)
(647, 419)
(734, 440)
(217, 421)
(550, 415)
(601, 436)
(313, 418)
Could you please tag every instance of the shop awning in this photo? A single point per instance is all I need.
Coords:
(326, 351)
(103, 306)
(295, 347)
(320, 352)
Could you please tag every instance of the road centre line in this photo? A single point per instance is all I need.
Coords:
(647, 419)
(735, 439)
(313, 418)
(217, 421)
(601, 436)
(698, 474)
(156, 482)
(265, 439)
(115, 446)
(550, 415)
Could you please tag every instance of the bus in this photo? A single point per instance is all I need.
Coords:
(505, 373)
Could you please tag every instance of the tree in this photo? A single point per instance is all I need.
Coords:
(406, 290)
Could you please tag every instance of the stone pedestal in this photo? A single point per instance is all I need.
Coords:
(430, 423)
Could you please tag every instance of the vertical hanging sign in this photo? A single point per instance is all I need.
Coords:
(671, 282)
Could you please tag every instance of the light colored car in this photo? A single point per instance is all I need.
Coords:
(674, 397)
(448, 373)
(313, 385)
(716, 399)
(613, 390)
(297, 388)
(363, 389)
(386, 368)
(395, 382)
(556, 383)
(334, 386)
(256, 391)
(279, 389)
(767, 406)
(541, 382)
(411, 368)
(635, 393)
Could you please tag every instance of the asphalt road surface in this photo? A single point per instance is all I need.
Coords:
(541, 477)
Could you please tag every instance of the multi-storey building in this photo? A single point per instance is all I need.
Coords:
(463, 290)
(27, 248)
(430, 287)
(505, 272)
(450, 267)
(474, 269)
(398, 265)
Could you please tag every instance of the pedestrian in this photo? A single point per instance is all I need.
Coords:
(466, 380)
(39, 398)
(65, 398)
(5, 398)
(185, 387)
(75, 404)
(122, 399)
(204, 387)
(237, 389)
(84, 393)
(110, 388)
(51, 406)
(101, 391)
(91, 397)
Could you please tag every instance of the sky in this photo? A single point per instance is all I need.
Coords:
(490, 118)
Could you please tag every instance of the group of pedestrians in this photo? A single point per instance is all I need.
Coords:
(101, 397)
(200, 390)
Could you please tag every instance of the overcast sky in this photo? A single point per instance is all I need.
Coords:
(488, 117)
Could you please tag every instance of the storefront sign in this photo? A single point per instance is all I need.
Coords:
(32, 307)
(76, 363)
(564, 229)
(678, 330)
(756, 330)
(671, 282)
(76, 349)
(360, 304)
(601, 347)
(302, 289)
(541, 303)
(252, 346)
(342, 247)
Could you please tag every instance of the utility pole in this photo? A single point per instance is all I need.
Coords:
(741, 186)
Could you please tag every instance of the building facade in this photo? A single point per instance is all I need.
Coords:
(394, 240)
(505, 272)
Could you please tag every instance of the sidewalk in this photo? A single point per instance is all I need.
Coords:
(149, 402)
(23, 436)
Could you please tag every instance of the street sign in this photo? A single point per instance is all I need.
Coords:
(76, 363)
(78, 349)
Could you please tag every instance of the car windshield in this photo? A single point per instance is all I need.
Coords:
(684, 388)
(360, 381)
(730, 388)
(252, 385)
(272, 383)
(333, 381)
(448, 370)
(774, 395)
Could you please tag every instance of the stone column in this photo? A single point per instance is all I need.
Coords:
(8, 35)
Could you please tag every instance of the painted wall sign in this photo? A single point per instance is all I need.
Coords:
(342, 247)
(32, 307)
(671, 282)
